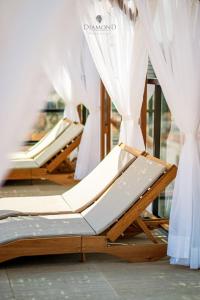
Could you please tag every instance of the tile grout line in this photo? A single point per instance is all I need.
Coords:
(108, 283)
(10, 285)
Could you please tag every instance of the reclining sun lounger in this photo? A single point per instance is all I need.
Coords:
(97, 228)
(77, 198)
(42, 160)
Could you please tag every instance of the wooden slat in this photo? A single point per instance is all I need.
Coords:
(143, 115)
(157, 222)
(128, 252)
(165, 227)
(19, 174)
(93, 243)
(38, 173)
(134, 229)
(40, 246)
(108, 125)
(164, 223)
(62, 179)
(102, 121)
(145, 229)
(63, 155)
(131, 150)
(23, 174)
(138, 253)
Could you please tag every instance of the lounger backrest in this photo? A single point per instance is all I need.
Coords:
(92, 186)
(48, 139)
(62, 140)
(124, 192)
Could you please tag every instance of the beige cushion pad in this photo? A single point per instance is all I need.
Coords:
(124, 192)
(16, 228)
(25, 163)
(16, 206)
(93, 185)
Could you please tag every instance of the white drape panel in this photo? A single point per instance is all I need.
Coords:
(63, 63)
(174, 48)
(73, 75)
(75, 78)
(63, 85)
(26, 31)
(89, 149)
(61, 79)
(121, 60)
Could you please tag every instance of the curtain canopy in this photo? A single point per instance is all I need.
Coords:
(172, 30)
(117, 47)
(63, 63)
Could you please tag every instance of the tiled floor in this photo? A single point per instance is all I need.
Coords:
(100, 277)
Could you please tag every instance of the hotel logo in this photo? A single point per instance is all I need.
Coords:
(99, 26)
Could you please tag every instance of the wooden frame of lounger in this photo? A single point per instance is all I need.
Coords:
(48, 170)
(114, 240)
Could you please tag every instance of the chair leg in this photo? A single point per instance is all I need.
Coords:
(83, 257)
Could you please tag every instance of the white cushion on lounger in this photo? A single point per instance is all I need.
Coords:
(49, 138)
(15, 206)
(15, 228)
(62, 140)
(18, 155)
(25, 163)
(93, 185)
(123, 193)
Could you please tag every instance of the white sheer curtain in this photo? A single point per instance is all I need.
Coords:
(89, 149)
(27, 29)
(63, 85)
(63, 63)
(117, 47)
(74, 76)
(173, 41)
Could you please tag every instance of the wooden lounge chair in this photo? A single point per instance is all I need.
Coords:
(42, 160)
(99, 228)
(72, 201)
